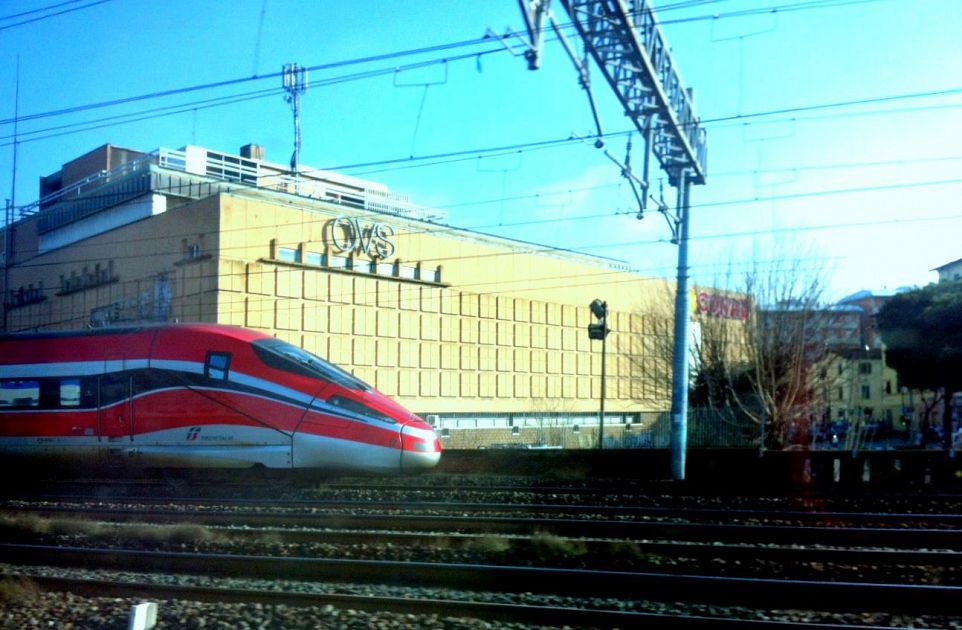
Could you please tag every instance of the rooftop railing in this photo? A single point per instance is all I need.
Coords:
(247, 172)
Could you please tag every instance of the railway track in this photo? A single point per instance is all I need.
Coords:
(561, 543)
(504, 612)
(523, 490)
(623, 510)
(581, 583)
(703, 556)
(458, 518)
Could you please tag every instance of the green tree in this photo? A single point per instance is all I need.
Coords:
(922, 332)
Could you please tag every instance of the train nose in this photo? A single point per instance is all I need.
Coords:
(420, 447)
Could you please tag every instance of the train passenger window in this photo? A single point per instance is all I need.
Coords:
(217, 365)
(20, 393)
(70, 392)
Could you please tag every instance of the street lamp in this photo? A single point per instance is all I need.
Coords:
(599, 330)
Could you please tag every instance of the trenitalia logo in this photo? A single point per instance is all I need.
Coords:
(192, 433)
(348, 234)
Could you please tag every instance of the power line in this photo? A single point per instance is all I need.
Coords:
(573, 139)
(150, 114)
(769, 10)
(381, 57)
(236, 81)
(230, 100)
(14, 16)
(526, 247)
(48, 16)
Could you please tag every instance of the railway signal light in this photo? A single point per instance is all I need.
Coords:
(599, 330)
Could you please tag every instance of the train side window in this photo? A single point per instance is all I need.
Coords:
(114, 387)
(20, 393)
(151, 379)
(50, 393)
(88, 392)
(70, 392)
(217, 365)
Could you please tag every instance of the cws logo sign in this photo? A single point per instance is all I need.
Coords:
(349, 235)
(716, 305)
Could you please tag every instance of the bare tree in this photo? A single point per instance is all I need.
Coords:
(784, 334)
(755, 352)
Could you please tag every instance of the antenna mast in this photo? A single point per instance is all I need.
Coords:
(295, 83)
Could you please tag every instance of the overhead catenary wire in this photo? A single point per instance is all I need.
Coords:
(47, 16)
(392, 56)
(524, 248)
(535, 148)
(496, 289)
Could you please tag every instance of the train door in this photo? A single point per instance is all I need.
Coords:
(115, 417)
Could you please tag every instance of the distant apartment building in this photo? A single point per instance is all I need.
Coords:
(856, 384)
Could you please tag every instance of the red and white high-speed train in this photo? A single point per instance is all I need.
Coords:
(198, 396)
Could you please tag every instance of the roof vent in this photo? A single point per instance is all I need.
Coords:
(252, 152)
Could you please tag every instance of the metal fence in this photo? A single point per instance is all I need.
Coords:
(706, 428)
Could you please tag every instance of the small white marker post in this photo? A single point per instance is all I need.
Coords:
(143, 616)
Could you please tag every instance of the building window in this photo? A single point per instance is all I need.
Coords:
(866, 392)
(864, 368)
(385, 269)
(841, 393)
(316, 259)
(888, 387)
(409, 272)
(288, 254)
(340, 262)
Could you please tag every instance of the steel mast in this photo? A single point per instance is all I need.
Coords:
(295, 83)
(628, 47)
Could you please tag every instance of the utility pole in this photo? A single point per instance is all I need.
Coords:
(679, 367)
(295, 83)
(8, 218)
(7, 260)
(626, 43)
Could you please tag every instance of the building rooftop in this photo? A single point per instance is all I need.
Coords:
(947, 265)
(87, 173)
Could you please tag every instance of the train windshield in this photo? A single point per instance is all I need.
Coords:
(284, 356)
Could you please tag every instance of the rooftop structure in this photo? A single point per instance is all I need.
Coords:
(111, 171)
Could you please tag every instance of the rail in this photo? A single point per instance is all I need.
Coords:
(738, 591)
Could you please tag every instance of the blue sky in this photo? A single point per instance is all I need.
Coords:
(868, 193)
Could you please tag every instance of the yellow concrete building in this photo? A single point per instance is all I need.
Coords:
(863, 397)
(481, 331)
